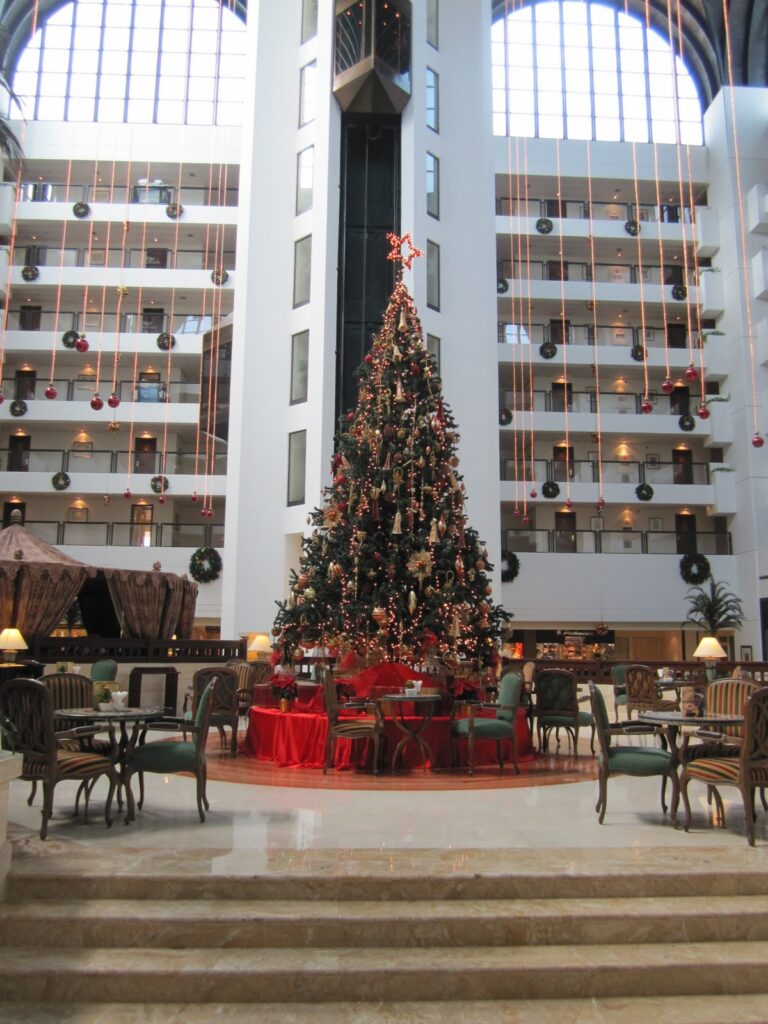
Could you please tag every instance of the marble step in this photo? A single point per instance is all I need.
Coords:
(360, 924)
(738, 1009)
(616, 876)
(66, 976)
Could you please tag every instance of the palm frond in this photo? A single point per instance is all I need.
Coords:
(714, 609)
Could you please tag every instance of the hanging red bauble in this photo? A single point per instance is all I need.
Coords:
(335, 462)
(415, 369)
(758, 441)
(340, 480)
(194, 496)
(82, 344)
(203, 512)
(703, 411)
(113, 401)
(526, 520)
(50, 391)
(350, 417)
(161, 499)
(516, 513)
(127, 492)
(569, 503)
(600, 503)
(97, 403)
(646, 406)
(667, 387)
(691, 373)
(368, 358)
(534, 493)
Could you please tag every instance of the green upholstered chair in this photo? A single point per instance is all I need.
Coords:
(748, 771)
(104, 671)
(502, 727)
(618, 759)
(226, 704)
(167, 757)
(26, 716)
(557, 707)
(619, 680)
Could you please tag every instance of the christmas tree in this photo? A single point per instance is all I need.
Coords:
(392, 568)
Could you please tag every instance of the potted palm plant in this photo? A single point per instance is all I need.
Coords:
(714, 609)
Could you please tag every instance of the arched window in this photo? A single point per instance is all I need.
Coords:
(138, 61)
(573, 70)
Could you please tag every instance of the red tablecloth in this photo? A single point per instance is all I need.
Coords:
(297, 738)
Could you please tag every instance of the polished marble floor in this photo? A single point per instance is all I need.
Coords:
(257, 815)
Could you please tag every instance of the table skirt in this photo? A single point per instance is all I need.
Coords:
(297, 739)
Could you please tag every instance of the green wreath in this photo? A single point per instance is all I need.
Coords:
(69, 338)
(81, 209)
(510, 566)
(505, 417)
(695, 569)
(30, 273)
(60, 481)
(687, 422)
(679, 292)
(205, 565)
(638, 353)
(159, 484)
(644, 492)
(165, 341)
(550, 489)
(632, 228)
(219, 277)
(548, 350)
(544, 225)
(174, 210)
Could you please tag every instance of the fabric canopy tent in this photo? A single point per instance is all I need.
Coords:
(38, 583)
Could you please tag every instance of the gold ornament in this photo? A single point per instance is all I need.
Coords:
(397, 355)
(412, 601)
(379, 615)
(441, 526)
(479, 565)
(113, 427)
(403, 324)
(399, 396)
(397, 525)
(310, 593)
(433, 532)
(420, 564)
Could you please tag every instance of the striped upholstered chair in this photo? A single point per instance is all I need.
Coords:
(26, 715)
(748, 771)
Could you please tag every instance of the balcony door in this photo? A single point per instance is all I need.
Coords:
(144, 454)
(18, 453)
(565, 532)
(682, 467)
(562, 463)
(685, 530)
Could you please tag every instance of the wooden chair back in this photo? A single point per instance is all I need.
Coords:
(729, 697)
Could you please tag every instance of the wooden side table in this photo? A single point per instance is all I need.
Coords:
(171, 684)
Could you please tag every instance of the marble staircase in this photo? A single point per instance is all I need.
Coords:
(543, 936)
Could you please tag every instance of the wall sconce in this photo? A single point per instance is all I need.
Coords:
(622, 451)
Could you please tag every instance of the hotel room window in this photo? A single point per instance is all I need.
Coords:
(297, 463)
(433, 186)
(432, 6)
(299, 367)
(307, 91)
(433, 275)
(308, 19)
(302, 265)
(433, 100)
(305, 166)
(433, 347)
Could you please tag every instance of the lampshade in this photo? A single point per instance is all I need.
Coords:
(11, 641)
(709, 648)
(260, 644)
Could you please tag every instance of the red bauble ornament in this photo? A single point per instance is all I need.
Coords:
(127, 492)
(335, 462)
(377, 556)
(569, 503)
(341, 506)
(691, 373)
(526, 520)
(415, 369)
(97, 403)
(534, 493)
(203, 512)
(600, 504)
(340, 480)
(350, 417)
(161, 499)
(194, 496)
(646, 406)
(516, 513)
(368, 358)
(668, 387)
(50, 391)
(2, 398)
(758, 441)
(113, 401)
(82, 344)
(703, 411)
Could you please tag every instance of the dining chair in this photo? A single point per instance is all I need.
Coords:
(370, 726)
(747, 772)
(503, 726)
(104, 671)
(167, 757)
(226, 707)
(619, 680)
(26, 717)
(618, 759)
(557, 707)
(644, 692)
(252, 682)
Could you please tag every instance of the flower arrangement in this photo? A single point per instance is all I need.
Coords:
(285, 688)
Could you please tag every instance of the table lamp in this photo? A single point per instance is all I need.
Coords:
(260, 645)
(709, 651)
(11, 641)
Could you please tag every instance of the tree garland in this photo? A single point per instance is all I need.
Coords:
(205, 565)
(695, 569)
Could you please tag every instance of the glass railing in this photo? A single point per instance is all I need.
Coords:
(613, 472)
(104, 534)
(145, 193)
(626, 403)
(108, 322)
(580, 209)
(587, 334)
(615, 542)
(83, 390)
(86, 460)
(143, 259)
(603, 273)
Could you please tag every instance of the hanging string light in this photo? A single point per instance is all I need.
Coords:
(596, 353)
(645, 405)
(564, 346)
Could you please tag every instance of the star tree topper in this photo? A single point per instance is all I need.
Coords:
(396, 252)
